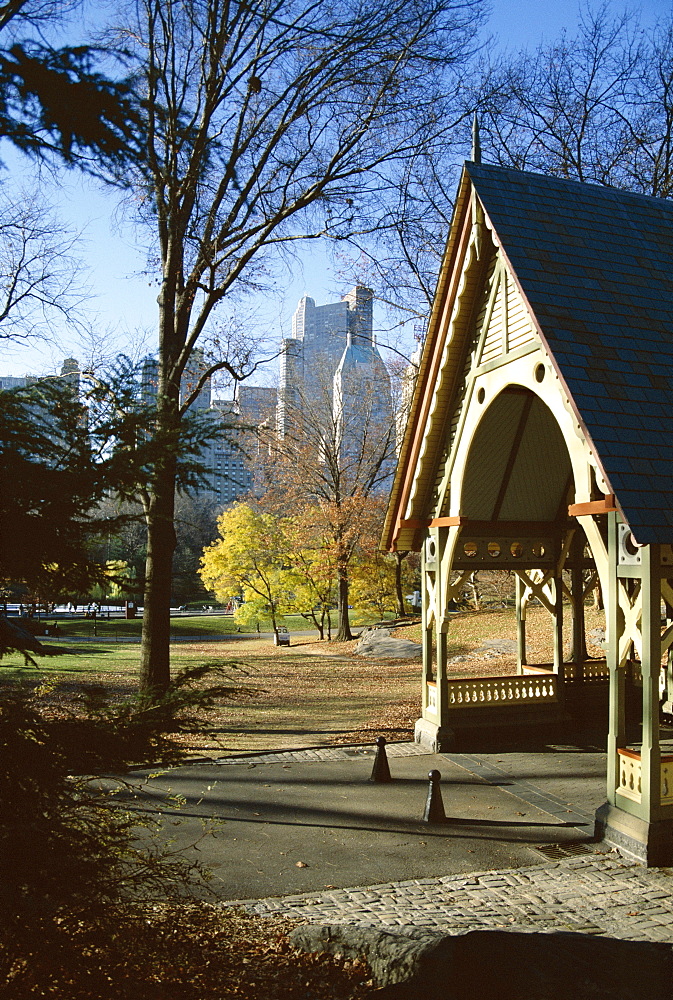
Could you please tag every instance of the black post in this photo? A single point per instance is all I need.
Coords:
(434, 807)
(381, 770)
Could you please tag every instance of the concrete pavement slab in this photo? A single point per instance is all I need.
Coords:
(312, 822)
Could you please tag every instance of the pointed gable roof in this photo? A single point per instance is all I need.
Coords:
(595, 267)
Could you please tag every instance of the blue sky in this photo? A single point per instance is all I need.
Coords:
(518, 23)
(123, 305)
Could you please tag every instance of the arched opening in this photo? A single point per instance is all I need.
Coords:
(515, 485)
(518, 466)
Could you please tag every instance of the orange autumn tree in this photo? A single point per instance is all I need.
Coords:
(379, 579)
(335, 459)
(313, 570)
(334, 510)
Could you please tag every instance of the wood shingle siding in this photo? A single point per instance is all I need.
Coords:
(519, 327)
(493, 341)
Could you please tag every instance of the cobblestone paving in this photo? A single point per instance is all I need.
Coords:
(324, 753)
(596, 894)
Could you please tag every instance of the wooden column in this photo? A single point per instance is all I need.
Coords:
(667, 705)
(428, 576)
(617, 697)
(445, 540)
(651, 665)
(520, 625)
(558, 631)
(433, 728)
(579, 650)
(638, 816)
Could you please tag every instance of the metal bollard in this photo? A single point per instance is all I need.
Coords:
(434, 807)
(380, 770)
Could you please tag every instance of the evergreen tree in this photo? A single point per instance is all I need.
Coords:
(56, 102)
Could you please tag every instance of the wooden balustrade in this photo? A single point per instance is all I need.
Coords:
(630, 776)
(515, 690)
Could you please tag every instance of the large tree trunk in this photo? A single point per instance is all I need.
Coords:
(344, 632)
(399, 596)
(319, 624)
(155, 671)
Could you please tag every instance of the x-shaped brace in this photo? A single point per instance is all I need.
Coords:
(632, 608)
(539, 583)
(431, 605)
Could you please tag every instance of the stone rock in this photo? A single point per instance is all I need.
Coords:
(380, 642)
(394, 956)
(378, 630)
(497, 647)
(408, 963)
(487, 651)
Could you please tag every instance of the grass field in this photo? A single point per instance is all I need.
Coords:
(198, 626)
(310, 693)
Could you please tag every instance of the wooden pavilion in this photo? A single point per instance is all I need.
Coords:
(540, 440)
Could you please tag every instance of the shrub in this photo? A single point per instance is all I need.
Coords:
(67, 848)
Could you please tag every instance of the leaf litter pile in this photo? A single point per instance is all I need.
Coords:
(178, 952)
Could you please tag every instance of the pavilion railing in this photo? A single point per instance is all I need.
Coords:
(494, 691)
(630, 776)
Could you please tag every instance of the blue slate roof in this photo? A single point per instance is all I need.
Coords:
(596, 266)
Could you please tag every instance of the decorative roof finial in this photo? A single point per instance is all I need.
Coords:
(476, 146)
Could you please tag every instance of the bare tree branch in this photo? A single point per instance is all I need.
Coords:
(266, 124)
(40, 276)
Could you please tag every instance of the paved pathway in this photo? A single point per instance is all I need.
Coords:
(579, 890)
(595, 894)
(306, 755)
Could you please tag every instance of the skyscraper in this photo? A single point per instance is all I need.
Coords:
(69, 374)
(333, 381)
(68, 378)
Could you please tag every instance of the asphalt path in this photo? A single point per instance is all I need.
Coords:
(300, 822)
(68, 640)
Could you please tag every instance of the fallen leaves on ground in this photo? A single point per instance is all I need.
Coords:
(179, 952)
(320, 693)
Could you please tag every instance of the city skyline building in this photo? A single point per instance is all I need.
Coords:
(70, 373)
(234, 450)
(407, 384)
(237, 450)
(310, 357)
(330, 364)
(334, 383)
(237, 444)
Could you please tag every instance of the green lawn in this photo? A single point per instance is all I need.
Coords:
(199, 626)
(84, 659)
(116, 628)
